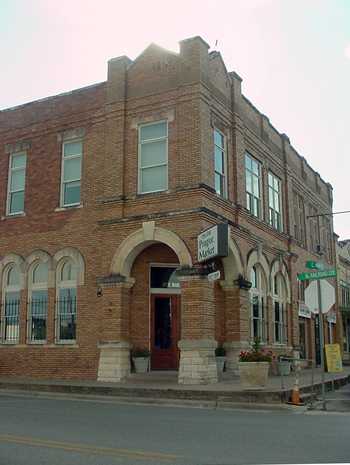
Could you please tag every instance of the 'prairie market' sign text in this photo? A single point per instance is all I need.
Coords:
(213, 243)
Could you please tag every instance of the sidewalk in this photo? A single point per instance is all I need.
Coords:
(163, 387)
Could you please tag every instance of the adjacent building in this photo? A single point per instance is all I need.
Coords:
(103, 194)
(343, 269)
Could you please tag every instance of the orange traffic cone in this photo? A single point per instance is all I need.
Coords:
(295, 397)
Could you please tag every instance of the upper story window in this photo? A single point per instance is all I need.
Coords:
(71, 173)
(153, 157)
(275, 202)
(220, 163)
(314, 231)
(253, 185)
(16, 183)
(299, 218)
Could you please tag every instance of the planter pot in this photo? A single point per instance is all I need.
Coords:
(220, 363)
(284, 368)
(141, 364)
(253, 375)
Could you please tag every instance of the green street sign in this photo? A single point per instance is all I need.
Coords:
(317, 275)
(312, 265)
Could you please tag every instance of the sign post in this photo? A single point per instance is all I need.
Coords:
(317, 276)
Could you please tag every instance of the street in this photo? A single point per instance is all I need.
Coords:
(50, 431)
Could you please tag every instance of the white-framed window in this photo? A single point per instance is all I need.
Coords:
(275, 202)
(72, 154)
(220, 161)
(257, 308)
(16, 183)
(66, 306)
(153, 157)
(279, 310)
(11, 305)
(253, 185)
(38, 303)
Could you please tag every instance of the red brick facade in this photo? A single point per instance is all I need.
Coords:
(116, 232)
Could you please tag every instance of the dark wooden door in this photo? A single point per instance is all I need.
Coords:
(165, 332)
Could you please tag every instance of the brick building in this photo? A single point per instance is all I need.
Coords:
(343, 277)
(103, 193)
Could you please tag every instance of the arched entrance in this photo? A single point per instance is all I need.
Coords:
(149, 258)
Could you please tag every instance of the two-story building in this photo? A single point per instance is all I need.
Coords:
(103, 194)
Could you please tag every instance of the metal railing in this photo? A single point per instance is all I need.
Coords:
(37, 319)
(65, 321)
(10, 311)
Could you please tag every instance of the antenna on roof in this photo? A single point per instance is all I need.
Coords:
(216, 43)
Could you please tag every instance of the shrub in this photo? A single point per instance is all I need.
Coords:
(137, 352)
(256, 353)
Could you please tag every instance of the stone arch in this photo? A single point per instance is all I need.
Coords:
(77, 259)
(44, 257)
(233, 263)
(278, 266)
(18, 261)
(139, 240)
(254, 257)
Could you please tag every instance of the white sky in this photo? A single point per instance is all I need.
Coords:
(293, 56)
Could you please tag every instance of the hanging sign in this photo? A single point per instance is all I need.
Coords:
(333, 357)
(213, 243)
(304, 310)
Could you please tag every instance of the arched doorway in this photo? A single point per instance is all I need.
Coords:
(149, 258)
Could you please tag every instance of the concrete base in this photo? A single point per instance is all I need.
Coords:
(197, 362)
(233, 350)
(114, 363)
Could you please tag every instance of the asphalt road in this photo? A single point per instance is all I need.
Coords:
(38, 431)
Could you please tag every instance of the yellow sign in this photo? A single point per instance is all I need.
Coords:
(333, 357)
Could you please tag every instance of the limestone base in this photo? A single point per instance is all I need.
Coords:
(114, 363)
(197, 362)
(233, 350)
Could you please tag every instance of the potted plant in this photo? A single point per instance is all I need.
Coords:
(140, 358)
(254, 366)
(283, 364)
(220, 354)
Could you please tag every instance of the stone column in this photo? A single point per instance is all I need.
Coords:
(114, 363)
(197, 344)
(236, 324)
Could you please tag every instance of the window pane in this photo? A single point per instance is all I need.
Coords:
(18, 161)
(248, 162)
(218, 139)
(276, 184)
(68, 272)
(219, 160)
(13, 277)
(72, 193)
(271, 198)
(154, 153)
(17, 202)
(249, 184)
(276, 196)
(270, 180)
(256, 186)
(40, 273)
(73, 148)
(219, 184)
(72, 169)
(255, 167)
(153, 131)
(38, 315)
(17, 180)
(154, 179)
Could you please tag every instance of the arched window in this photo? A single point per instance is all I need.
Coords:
(66, 302)
(38, 303)
(258, 298)
(279, 309)
(11, 305)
